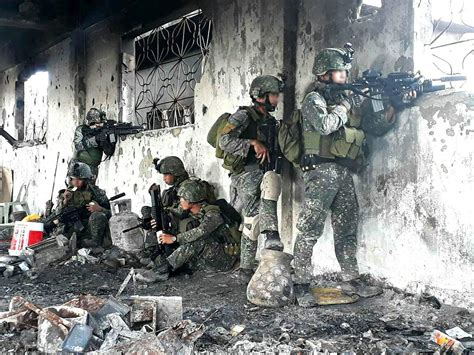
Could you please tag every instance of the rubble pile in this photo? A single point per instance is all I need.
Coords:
(55, 298)
(87, 323)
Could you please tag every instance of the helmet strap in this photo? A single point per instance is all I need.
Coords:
(266, 105)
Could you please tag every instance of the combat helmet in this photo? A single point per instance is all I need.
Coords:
(81, 171)
(93, 116)
(333, 59)
(193, 191)
(170, 165)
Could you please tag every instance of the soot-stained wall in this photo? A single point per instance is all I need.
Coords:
(415, 228)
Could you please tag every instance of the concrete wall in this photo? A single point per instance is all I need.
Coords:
(415, 230)
(416, 225)
(243, 47)
(34, 166)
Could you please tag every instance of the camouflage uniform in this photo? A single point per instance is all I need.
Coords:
(328, 182)
(89, 149)
(96, 231)
(204, 238)
(203, 244)
(259, 213)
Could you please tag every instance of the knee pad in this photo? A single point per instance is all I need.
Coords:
(251, 228)
(98, 216)
(270, 186)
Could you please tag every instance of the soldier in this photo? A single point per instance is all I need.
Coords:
(203, 237)
(92, 209)
(334, 146)
(174, 174)
(253, 191)
(89, 148)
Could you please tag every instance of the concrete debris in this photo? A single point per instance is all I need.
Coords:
(458, 333)
(394, 322)
(54, 325)
(430, 300)
(89, 323)
(78, 339)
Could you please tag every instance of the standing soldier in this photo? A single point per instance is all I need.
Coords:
(245, 151)
(89, 148)
(334, 131)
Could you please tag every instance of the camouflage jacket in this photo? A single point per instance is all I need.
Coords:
(207, 224)
(87, 149)
(231, 140)
(90, 193)
(326, 117)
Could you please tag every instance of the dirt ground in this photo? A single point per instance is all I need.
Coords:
(393, 321)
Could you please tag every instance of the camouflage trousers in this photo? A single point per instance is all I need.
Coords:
(259, 214)
(96, 232)
(328, 188)
(201, 254)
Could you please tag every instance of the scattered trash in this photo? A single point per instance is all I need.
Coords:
(237, 329)
(330, 296)
(430, 300)
(78, 339)
(169, 310)
(458, 333)
(131, 275)
(448, 343)
(89, 323)
(84, 255)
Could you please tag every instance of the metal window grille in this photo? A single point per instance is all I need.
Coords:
(169, 61)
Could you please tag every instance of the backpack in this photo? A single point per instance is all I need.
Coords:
(290, 138)
(232, 218)
(215, 133)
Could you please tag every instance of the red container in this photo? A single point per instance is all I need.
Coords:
(24, 235)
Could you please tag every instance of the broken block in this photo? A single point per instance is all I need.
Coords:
(50, 338)
(78, 339)
(169, 310)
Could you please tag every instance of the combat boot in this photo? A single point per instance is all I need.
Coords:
(360, 288)
(162, 268)
(272, 240)
(303, 295)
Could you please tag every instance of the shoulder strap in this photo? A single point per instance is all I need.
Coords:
(209, 208)
(252, 113)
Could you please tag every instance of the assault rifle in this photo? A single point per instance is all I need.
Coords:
(71, 216)
(158, 213)
(113, 129)
(269, 130)
(373, 85)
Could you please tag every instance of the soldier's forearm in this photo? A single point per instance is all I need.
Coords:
(333, 121)
(234, 145)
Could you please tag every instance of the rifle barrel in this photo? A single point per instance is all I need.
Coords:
(452, 78)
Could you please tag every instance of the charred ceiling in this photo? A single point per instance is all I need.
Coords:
(28, 27)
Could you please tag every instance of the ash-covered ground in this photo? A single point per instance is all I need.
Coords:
(394, 321)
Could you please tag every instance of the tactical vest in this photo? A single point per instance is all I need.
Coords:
(80, 198)
(344, 146)
(236, 163)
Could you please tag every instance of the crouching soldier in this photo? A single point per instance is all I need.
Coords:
(84, 209)
(204, 237)
(174, 175)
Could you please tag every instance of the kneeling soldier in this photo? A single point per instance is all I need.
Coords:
(204, 237)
